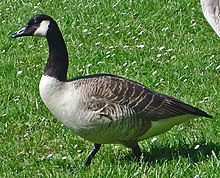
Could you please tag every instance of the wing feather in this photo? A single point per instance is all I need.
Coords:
(119, 97)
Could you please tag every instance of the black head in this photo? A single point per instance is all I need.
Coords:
(38, 25)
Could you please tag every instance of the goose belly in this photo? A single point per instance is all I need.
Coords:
(106, 131)
(132, 131)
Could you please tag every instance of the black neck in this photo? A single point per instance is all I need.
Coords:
(57, 63)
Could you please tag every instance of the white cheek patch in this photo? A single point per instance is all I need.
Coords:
(43, 28)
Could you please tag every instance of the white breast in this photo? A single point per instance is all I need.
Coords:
(64, 102)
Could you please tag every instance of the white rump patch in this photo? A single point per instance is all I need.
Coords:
(163, 125)
(43, 28)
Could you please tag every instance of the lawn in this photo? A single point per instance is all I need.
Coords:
(166, 45)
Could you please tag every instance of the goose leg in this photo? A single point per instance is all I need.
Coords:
(136, 151)
(92, 153)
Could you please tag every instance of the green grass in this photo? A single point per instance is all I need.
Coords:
(166, 45)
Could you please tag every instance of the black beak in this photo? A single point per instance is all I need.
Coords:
(22, 32)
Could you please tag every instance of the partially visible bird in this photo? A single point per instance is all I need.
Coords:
(211, 11)
(102, 108)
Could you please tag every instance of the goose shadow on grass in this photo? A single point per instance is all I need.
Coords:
(160, 154)
(195, 153)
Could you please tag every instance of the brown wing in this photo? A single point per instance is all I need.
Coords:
(117, 93)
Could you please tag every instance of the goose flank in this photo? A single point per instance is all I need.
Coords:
(102, 108)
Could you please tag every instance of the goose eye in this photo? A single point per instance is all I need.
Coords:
(35, 22)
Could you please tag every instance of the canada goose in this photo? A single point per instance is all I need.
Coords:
(211, 11)
(102, 108)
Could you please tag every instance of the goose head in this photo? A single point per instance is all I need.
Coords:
(38, 25)
(45, 26)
